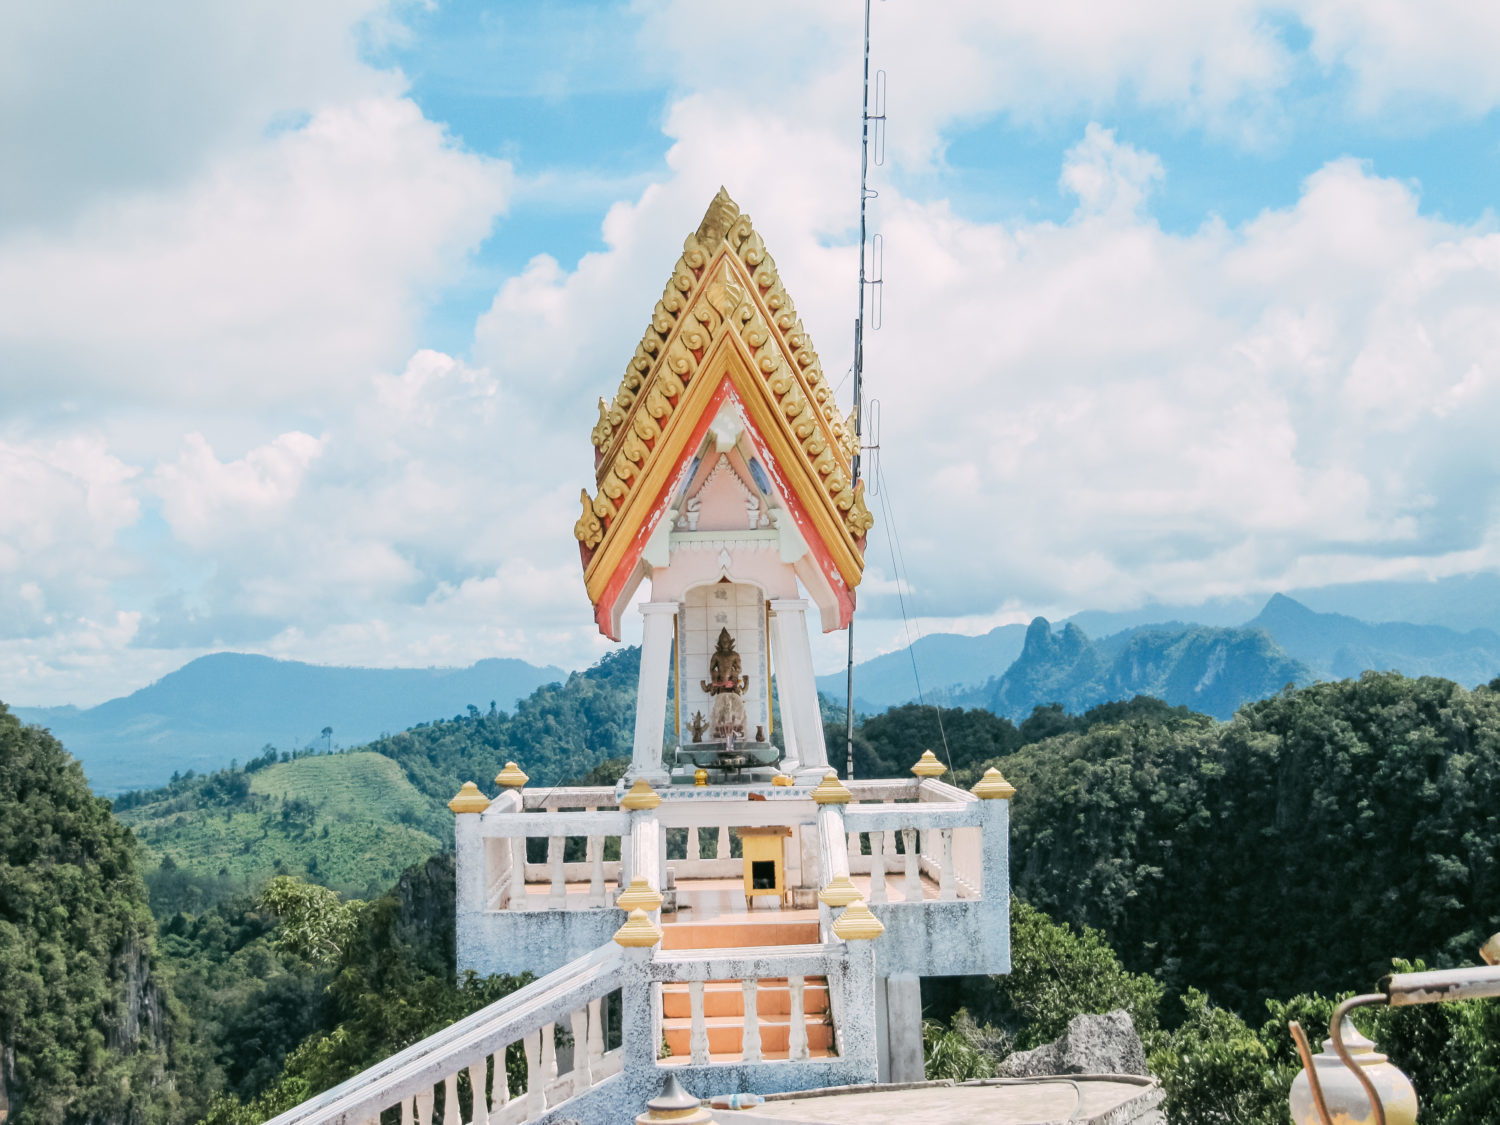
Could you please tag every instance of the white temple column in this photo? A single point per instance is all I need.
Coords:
(799, 688)
(651, 696)
(791, 761)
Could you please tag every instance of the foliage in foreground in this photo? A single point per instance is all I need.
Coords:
(1297, 848)
(1215, 1068)
(393, 967)
(83, 1013)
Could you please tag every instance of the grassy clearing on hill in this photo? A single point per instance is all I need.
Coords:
(352, 786)
(348, 821)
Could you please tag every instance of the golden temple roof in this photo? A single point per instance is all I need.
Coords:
(725, 317)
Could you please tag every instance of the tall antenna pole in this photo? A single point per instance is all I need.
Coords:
(859, 358)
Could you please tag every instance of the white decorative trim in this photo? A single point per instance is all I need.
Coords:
(757, 515)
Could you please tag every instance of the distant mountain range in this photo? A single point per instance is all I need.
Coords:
(1210, 669)
(1209, 657)
(1210, 666)
(230, 705)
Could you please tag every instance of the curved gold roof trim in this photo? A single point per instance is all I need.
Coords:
(725, 284)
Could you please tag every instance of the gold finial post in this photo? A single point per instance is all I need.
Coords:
(637, 932)
(639, 896)
(928, 765)
(857, 923)
(839, 892)
(831, 791)
(640, 796)
(993, 786)
(511, 777)
(469, 800)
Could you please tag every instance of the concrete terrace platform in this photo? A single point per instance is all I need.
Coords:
(700, 899)
(1096, 1099)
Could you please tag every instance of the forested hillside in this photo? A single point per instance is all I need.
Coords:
(1277, 859)
(354, 821)
(1298, 847)
(83, 1011)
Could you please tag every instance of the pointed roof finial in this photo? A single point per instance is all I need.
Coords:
(717, 220)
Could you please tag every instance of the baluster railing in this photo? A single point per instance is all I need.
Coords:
(559, 892)
(596, 1039)
(479, 1113)
(913, 887)
(797, 1025)
(698, 1034)
(693, 846)
(518, 873)
(582, 1075)
(946, 890)
(452, 1115)
(750, 1041)
(877, 867)
(722, 849)
(596, 870)
(500, 1098)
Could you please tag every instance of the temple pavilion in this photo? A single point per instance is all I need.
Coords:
(730, 914)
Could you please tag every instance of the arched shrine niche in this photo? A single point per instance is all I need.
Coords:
(723, 673)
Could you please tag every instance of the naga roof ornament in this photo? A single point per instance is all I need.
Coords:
(725, 329)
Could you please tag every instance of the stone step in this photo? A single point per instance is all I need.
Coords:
(727, 998)
(723, 934)
(726, 1035)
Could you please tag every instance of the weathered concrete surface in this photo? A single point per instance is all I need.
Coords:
(903, 997)
(969, 937)
(1112, 1100)
(534, 941)
(1104, 1044)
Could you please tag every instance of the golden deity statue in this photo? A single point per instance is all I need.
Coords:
(726, 685)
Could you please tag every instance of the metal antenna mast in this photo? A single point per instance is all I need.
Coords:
(865, 195)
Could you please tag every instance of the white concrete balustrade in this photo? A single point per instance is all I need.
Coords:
(426, 1078)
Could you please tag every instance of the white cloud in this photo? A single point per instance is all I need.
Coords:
(1097, 410)
(98, 98)
(63, 505)
(1107, 176)
(1441, 51)
(285, 272)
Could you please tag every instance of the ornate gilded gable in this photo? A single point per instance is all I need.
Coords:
(724, 292)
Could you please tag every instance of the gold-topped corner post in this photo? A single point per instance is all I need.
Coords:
(469, 800)
(640, 796)
(831, 791)
(993, 786)
(839, 892)
(928, 765)
(638, 932)
(511, 777)
(858, 923)
(639, 896)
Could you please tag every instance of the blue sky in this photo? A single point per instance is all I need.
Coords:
(312, 301)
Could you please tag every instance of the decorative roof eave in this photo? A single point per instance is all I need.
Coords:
(725, 286)
(612, 571)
